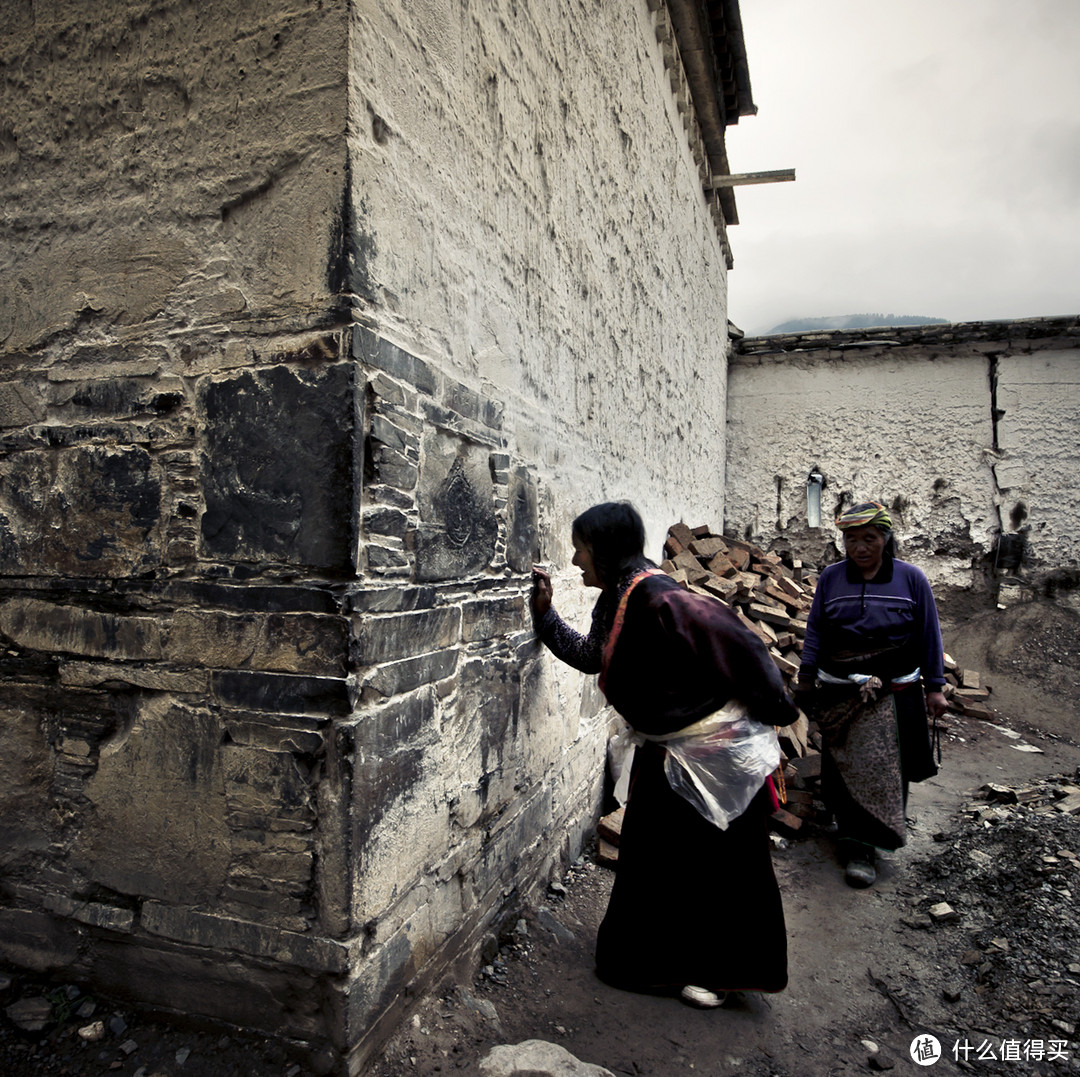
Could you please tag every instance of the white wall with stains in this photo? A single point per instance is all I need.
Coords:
(964, 431)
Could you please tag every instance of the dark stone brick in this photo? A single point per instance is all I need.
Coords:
(471, 405)
(377, 783)
(382, 639)
(384, 521)
(277, 466)
(382, 559)
(396, 678)
(281, 693)
(461, 540)
(388, 495)
(108, 500)
(392, 599)
(522, 532)
(388, 728)
(390, 467)
(442, 417)
(374, 351)
(252, 597)
(390, 434)
(491, 618)
(120, 397)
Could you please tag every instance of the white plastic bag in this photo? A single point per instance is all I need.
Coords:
(719, 770)
(717, 764)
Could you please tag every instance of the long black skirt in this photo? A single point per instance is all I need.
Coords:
(691, 903)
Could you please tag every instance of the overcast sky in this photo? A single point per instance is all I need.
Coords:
(936, 145)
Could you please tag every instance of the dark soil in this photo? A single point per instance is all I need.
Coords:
(872, 971)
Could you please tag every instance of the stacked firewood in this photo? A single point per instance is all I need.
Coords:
(770, 597)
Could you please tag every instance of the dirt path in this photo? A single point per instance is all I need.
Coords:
(868, 968)
(865, 965)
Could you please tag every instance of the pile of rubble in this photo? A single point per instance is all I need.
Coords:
(771, 596)
(1014, 849)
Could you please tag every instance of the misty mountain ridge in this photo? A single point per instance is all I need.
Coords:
(851, 321)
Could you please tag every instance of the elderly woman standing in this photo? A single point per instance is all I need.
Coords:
(695, 909)
(872, 670)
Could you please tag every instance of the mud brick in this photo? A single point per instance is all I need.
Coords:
(785, 822)
(808, 767)
(794, 737)
(943, 913)
(790, 587)
(722, 565)
(785, 640)
(1028, 796)
(1069, 805)
(770, 615)
(969, 678)
(973, 710)
(785, 665)
(746, 581)
(778, 594)
(762, 634)
(972, 695)
(610, 826)
(702, 531)
(739, 557)
(695, 573)
(722, 588)
(607, 855)
(765, 569)
(705, 549)
(682, 535)
(800, 802)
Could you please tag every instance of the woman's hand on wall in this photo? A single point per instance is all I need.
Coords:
(540, 597)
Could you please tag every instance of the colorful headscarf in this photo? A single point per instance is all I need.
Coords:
(867, 514)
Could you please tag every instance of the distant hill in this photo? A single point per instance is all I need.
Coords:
(851, 321)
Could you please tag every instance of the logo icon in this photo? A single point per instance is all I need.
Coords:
(925, 1049)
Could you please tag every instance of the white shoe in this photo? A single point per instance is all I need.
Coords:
(702, 997)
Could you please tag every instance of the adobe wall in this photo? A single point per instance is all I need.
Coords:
(319, 326)
(968, 432)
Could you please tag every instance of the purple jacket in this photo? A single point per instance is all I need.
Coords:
(895, 609)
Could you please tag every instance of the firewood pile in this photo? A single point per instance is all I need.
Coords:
(771, 596)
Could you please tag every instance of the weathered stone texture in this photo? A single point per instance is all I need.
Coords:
(145, 180)
(277, 466)
(109, 500)
(1038, 438)
(157, 793)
